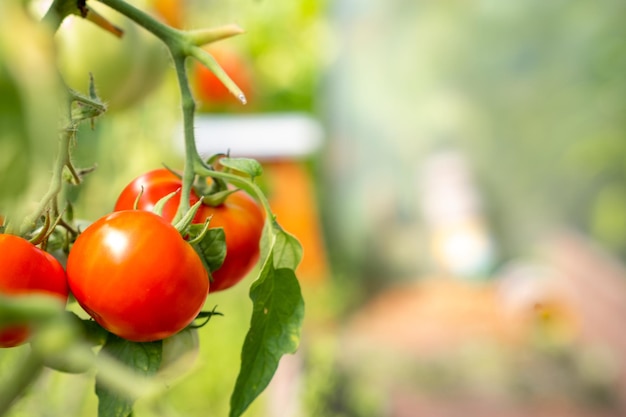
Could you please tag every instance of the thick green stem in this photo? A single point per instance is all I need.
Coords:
(181, 45)
(24, 374)
(191, 151)
(62, 159)
(202, 169)
(143, 19)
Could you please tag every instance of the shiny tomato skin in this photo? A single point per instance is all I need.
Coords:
(27, 269)
(136, 276)
(240, 216)
(242, 220)
(152, 185)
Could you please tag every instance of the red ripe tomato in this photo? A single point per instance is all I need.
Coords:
(152, 186)
(242, 220)
(136, 276)
(240, 216)
(27, 269)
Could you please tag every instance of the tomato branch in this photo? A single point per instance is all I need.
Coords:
(183, 44)
(91, 107)
(56, 183)
(191, 151)
(166, 33)
(201, 168)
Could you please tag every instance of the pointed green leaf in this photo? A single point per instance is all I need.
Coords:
(287, 250)
(278, 311)
(143, 358)
(211, 248)
(208, 61)
(158, 207)
(183, 224)
(246, 165)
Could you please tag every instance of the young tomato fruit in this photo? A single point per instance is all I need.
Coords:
(240, 216)
(27, 269)
(136, 276)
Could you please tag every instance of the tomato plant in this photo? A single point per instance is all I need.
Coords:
(239, 215)
(131, 270)
(27, 269)
(136, 276)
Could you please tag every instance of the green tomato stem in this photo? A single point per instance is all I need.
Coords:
(56, 183)
(191, 151)
(182, 45)
(202, 169)
(166, 33)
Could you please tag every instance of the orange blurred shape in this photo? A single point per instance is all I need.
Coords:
(170, 11)
(292, 198)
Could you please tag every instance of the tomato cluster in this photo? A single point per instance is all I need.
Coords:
(240, 216)
(132, 271)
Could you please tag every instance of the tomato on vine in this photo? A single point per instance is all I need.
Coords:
(136, 276)
(27, 270)
(239, 215)
(242, 220)
(151, 187)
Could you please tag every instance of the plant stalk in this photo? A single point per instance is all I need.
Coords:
(191, 151)
(143, 19)
(62, 160)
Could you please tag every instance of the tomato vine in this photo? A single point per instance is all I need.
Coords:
(125, 369)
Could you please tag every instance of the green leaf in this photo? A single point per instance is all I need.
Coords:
(211, 248)
(183, 224)
(246, 165)
(158, 207)
(287, 250)
(278, 311)
(143, 358)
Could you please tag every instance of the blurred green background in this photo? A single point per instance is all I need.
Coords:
(460, 136)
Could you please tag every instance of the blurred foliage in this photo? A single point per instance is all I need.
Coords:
(548, 80)
(125, 69)
(30, 92)
(516, 378)
(532, 92)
